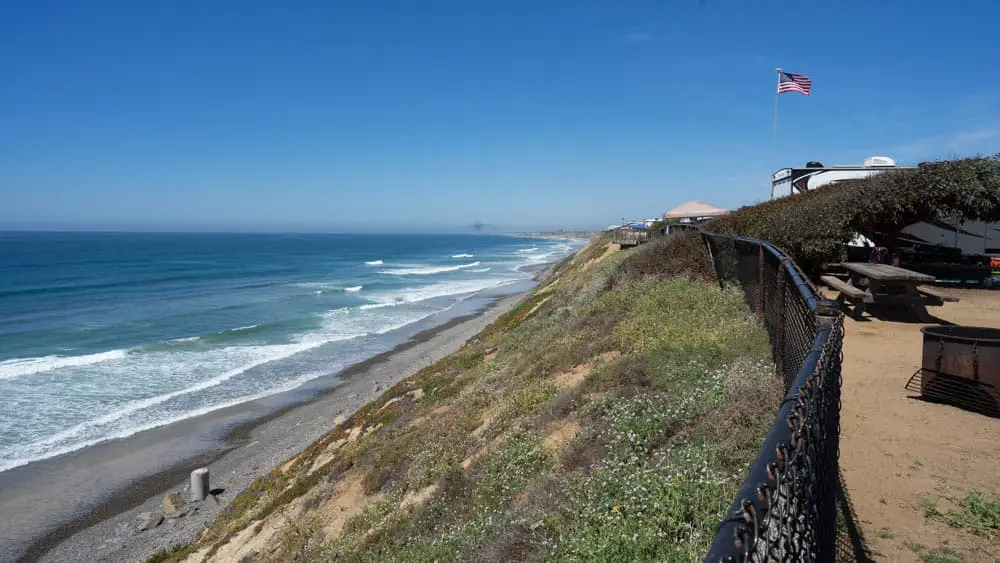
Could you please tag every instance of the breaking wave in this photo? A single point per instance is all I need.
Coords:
(20, 367)
(427, 271)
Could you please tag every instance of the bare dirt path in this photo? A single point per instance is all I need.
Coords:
(898, 452)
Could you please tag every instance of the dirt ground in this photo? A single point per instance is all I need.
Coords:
(898, 452)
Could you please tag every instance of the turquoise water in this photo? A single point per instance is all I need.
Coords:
(106, 334)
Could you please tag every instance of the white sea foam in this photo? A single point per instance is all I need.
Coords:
(433, 291)
(367, 319)
(321, 288)
(131, 430)
(20, 367)
(427, 270)
(313, 285)
(480, 270)
(242, 328)
(186, 339)
(539, 258)
(264, 355)
(374, 263)
(532, 249)
(353, 289)
(389, 328)
(462, 255)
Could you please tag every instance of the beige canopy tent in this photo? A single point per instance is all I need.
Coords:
(694, 211)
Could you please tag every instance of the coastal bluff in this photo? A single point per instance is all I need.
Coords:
(585, 420)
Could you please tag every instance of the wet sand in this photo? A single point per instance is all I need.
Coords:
(83, 505)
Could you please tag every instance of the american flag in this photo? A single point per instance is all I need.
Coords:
(788, 82)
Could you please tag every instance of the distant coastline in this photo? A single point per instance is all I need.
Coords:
(558, 235)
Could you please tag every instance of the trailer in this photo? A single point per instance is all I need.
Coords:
(953, 249)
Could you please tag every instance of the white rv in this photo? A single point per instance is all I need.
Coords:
(971, 237)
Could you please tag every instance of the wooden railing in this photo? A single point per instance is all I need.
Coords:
(630, 237)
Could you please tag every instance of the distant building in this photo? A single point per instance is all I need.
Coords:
(638, 224)
(693, 212)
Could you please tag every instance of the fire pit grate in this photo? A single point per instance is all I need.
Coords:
(961, 366)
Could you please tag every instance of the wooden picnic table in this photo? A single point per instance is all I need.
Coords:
(886, 273)
(884, 284)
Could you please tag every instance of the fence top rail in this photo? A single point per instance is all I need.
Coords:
(750, 517)
(795, 274)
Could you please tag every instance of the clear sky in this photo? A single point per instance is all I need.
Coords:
(339, 115)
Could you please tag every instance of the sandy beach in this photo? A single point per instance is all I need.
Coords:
(84, 505)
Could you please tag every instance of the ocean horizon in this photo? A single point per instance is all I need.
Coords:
(373, 230)
(106, 334)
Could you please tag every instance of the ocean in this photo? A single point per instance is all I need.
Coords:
(103, 335)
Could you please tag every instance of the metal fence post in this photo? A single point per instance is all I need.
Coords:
(828, 314)
(711, 256)
(827, 311)
(779, 325)
(760, 283)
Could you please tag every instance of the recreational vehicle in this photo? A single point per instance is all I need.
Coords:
(969, 237)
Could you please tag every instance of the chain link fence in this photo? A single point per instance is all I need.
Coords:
(786, 510)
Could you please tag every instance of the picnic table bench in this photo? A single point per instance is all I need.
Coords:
(870, 283)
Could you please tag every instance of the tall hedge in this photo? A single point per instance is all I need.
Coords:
(814, 227)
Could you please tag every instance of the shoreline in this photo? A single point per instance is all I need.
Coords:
(237, 443)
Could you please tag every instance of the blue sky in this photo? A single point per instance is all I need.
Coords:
(341, 115)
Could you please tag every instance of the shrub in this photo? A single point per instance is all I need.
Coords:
(679, 314)
(678, 255)
(505, 473)
(814, 227)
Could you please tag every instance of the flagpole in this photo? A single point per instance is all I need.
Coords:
(774, 131)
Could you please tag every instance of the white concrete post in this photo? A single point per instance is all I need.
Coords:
(199, 484)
